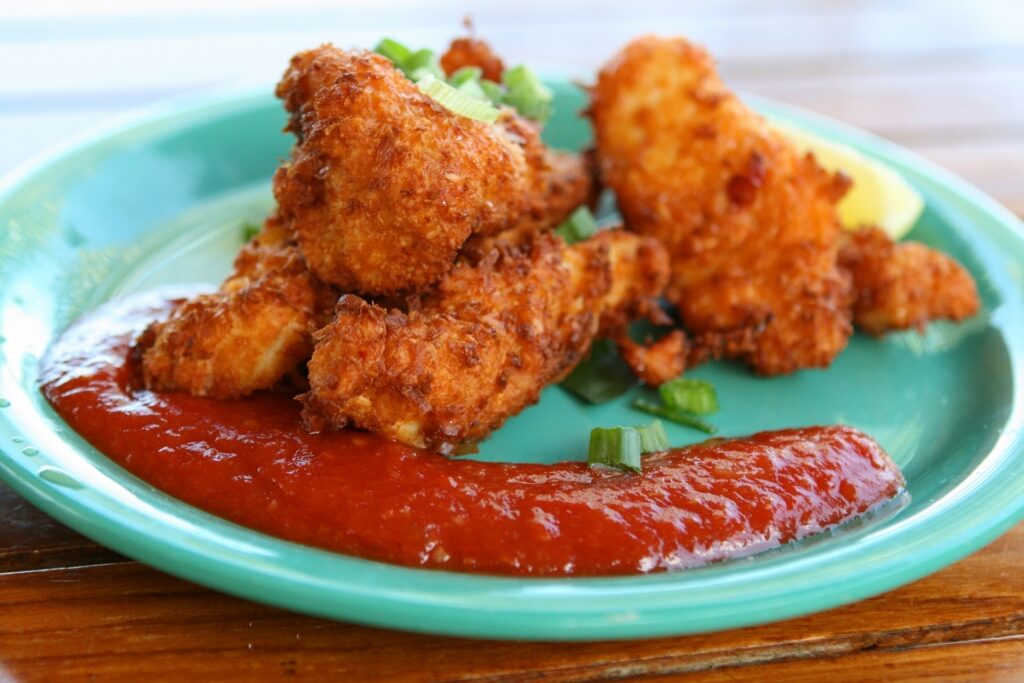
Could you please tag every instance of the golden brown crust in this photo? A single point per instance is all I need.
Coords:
(750, 224)
(385, 185)
(639, 273)
(560, 182)
(472, 52)
(476, 349)
(657, 362)
(903, 286)
(247, 336)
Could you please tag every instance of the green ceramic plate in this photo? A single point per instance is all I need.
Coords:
(158, 199)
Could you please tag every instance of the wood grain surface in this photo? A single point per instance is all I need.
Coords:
(942, 78)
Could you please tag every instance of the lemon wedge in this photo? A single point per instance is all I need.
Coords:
(879, 196)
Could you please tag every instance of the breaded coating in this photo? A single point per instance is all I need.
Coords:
(480, 346)
(247, 336)
(472, 52)
(639, 274)
(657, 362)
(750, 224)
(903, 286)
(385, 185)
(561, 182)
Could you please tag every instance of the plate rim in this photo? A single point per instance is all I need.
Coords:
(518, 617)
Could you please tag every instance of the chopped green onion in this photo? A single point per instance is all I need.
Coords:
(249, 230)
(393, 50)
(578, 226)
(676, 416)
(601, 376)
(520, 87)
(615, 447)
(492, 91)
(415, 65)
(525, 92)
(422, 63)
(689, 395)
(457, 101)
(466, 74)
(420, 74)
(653, 438)
(420, 59)
(473, 89)
(622, 446)
(467, 80)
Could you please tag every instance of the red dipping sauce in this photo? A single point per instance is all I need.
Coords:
(252, 462)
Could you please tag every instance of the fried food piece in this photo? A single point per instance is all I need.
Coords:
(465, 52)
(657, 362)
(480, 346)
(750, 224)
(903, 286)
(561, 182)
(385, 185)
(247, 336)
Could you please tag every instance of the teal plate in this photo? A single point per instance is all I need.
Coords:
(158, 200)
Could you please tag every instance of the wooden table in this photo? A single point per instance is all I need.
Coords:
(946, 80)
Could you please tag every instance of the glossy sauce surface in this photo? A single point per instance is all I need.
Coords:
(252, 462)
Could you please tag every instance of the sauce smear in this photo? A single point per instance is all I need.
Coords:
(251, 461)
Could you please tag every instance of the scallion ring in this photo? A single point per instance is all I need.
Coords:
(578, 226)
(615, 447)
(457, 101)
(672, 415)
(689, 395)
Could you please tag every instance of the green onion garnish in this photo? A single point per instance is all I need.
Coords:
(393, 50)
(578, 226)
(423, 62)
(689, 395)
(492, 91)
(672, 415)
(473, 89)
(465, 75)
(622, 446)
(615, 447)
(458, 101)
(467, 80)
(249, 230)
(415, 65)
(525, 92)
(653, 438)
(601, 376)
(520, 87)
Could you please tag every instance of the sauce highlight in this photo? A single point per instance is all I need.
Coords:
(251, 461)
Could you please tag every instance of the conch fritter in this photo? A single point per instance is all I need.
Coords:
(479, 347)
(750, 224)
(385, 185)
(248, 335)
